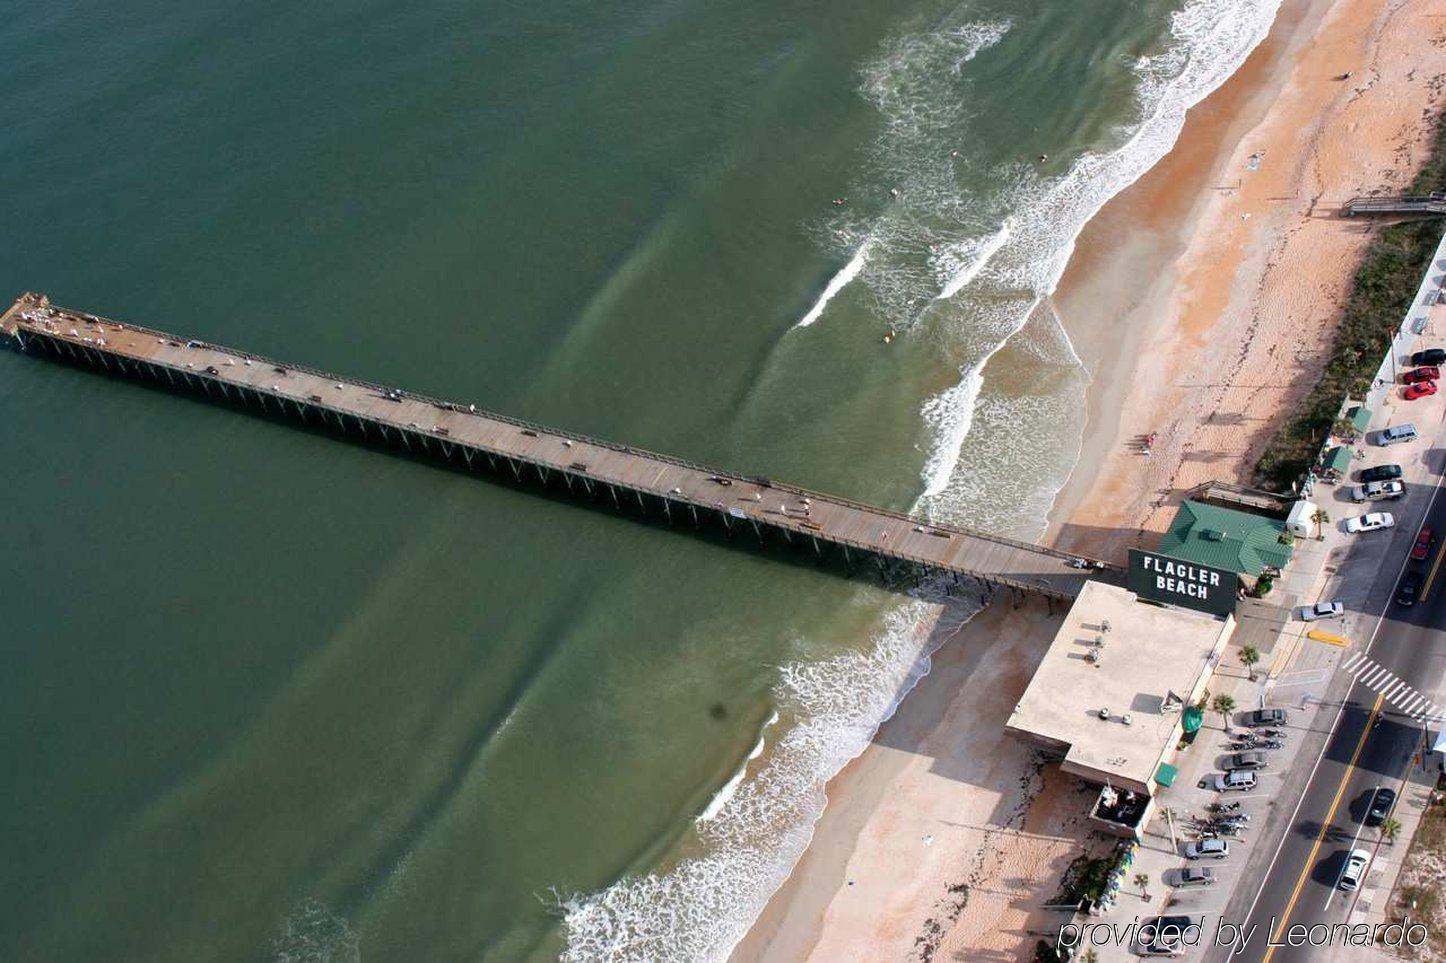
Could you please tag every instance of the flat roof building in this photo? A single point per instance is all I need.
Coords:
(1110, 693)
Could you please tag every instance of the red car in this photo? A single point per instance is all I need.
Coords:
(1421, 390)
(1424, 541)
(1418, 375)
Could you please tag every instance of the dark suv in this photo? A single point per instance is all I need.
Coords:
(1382, 801)
(1429, 356)
(1381, 473)
(1410, 589)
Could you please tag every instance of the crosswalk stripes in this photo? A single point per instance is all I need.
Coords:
(1373, 675)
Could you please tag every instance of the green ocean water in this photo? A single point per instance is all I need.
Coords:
(271, 696)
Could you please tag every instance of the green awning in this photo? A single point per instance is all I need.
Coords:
(1338, 459)
(1360, 417)
(1166, 774)
(1192, 719)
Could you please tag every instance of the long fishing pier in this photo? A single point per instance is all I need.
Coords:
(467, 437)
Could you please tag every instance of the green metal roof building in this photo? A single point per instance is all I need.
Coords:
(1338, 459)
(1360, 417)
(1223, 538)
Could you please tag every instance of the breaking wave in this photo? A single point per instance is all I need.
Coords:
(1208, 43)
(715, 805)
(701, 908)
(961, 263)
(934, 244)
(837, 283)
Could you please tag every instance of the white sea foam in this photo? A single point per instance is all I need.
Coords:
(700, 908)
(961, 263)
(715, 805)
(951, 415)
(314, 932)
(837, 283)
(1209, 42)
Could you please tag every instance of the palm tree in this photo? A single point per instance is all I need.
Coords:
(1249, 655)
(1224, 704)
(1321, 517)
(1389, 828)
(1142, 880)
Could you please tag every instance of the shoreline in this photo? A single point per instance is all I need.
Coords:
(1184, 263)
(1263, 208)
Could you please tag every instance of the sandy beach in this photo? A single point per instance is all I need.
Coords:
(1201, 299)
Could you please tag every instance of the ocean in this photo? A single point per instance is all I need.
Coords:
(270, 696)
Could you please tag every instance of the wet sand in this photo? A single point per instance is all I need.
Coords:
(1202, 300)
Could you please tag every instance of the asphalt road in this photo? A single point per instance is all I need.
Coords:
(1299, 886)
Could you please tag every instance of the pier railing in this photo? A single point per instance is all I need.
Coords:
(885, 534)
(1426, 204)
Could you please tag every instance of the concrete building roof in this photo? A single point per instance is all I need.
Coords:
(1224, 538)
(1149, 651)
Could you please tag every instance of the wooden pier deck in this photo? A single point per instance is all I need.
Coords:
(469, 437)
(1424, 205)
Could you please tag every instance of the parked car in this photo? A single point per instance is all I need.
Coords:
(1264, 717)
(1427, 373)
(1207, 849)
(1370, 522)
(1381, 473)
(1419, 390)
(1381, 491)
(1246, 760)
(1320, 610)
(1396, 435)
(1425, 541)
(1235, 780)
(1192, 876)
(1166, 935)
(1429, 356)
(1383, 800)
(1409, 590)
(1354, 870)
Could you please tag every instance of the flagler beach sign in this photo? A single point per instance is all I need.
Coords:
(1174, 581)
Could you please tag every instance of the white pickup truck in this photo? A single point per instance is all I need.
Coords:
(1381, 491)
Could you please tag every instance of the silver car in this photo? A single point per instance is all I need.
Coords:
(1320, 610)
(1235, 780)
(1193, 876)
(1207, 849)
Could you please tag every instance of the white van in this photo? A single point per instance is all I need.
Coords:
(1396, 434)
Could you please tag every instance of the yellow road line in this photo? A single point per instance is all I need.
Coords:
(1324, 827)
(1435, 567)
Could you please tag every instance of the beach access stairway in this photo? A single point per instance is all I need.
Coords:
(468, 437)
(1419, 204)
